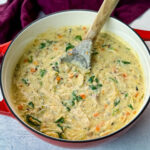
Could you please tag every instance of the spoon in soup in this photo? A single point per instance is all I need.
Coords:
(81, 54)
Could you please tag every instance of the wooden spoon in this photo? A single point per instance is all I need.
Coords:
(81, 54)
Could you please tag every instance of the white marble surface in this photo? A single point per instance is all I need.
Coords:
(13, 136)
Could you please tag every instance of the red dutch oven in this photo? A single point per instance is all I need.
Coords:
(12, 51)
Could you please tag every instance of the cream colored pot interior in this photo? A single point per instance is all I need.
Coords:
(16, 49)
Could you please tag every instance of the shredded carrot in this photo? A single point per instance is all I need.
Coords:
(97, 128)
(25, 60)
(55, 48)
(33, 70)
(83, 96)
(20, 107)
(136, 95)
(86, 52)
(96, 114)
(58, 78)
(84, 28)
(69, 54)
(134, 112)
(35, 63)
(114, 70)
(127, 113)
(59, 36)
(105, 106)
(102, 91)
(124, 75)
(71, 75)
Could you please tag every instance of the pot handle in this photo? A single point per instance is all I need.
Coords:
(145, 35)
(4, 110)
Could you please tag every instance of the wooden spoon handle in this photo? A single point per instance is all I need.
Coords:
(103, 14)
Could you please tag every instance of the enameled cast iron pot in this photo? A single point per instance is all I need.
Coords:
(16, 50)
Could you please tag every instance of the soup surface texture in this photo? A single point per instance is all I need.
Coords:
(62, 100)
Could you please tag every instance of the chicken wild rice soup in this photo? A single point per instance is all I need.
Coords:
(62, 100)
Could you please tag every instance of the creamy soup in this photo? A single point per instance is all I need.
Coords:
(62, 100)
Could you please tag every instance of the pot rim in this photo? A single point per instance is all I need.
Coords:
(57, 139)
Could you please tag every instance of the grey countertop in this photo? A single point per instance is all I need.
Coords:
(13, 136)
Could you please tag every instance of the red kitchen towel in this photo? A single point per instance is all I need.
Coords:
(16, 14)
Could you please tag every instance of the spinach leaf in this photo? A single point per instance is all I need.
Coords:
(130, 106)
(69, 46)
(25, 81)
(32, 120)
(42, 72)
(55, 67)
(116, 102)
(91, 79)
(60, 120)
(30, 59)
(60, 134)
(126, 95)
(67, 107)
(31, 105)
(78, 37)
(42, 45)
(93, 87)
(125, 62)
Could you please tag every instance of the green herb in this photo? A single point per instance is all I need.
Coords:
(41, 83)
(75, 97)
(118, 61)
(67, 107)
(125, 62)
(116, 102)
(60, 134)
(113, 79)
(95, 53)
(126, 95)
(115, 111)
(55, 67)
(25, 81)
(130, 106)
(99, 85)
(72, 103)
(31, 105)
(69, 46)
(128, 48)
(42, 45)
(104, 45)
(93, 87)
(60, 120)
(78, 37)
(91, 79)
(96, 80)
(42, 72)
(33, 121)
(30, 59)
(50, 42)
(60, 126)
